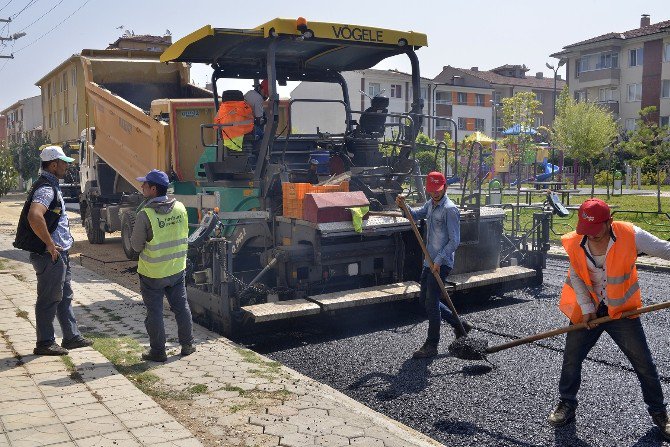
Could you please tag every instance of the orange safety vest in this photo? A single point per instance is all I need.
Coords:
(623, 290)
(240, 117)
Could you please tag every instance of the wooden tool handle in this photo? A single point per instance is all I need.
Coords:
(445, 294)
(574, 327)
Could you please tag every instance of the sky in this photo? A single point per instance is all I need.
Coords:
(464, 33)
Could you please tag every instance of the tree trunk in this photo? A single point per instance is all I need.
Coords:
(658, 188)
(593, 179)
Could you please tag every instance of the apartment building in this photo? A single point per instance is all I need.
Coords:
(3, 130)
(479, 93)
(624, 71)
(23, 120)
(130, 41)
(362, 85)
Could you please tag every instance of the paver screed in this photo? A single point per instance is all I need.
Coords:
(223, 394)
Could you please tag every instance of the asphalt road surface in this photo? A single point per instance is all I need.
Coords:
(472, 403)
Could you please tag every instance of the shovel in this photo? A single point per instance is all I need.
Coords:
(445, 295)
(469, 349)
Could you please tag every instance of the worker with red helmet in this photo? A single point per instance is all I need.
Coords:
(443, 235)
(256, 99)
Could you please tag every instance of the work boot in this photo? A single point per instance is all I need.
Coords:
(661, 421)
(52, 349)
(154, 356)
(187, 350)
(426, 351)
(562, 414)
(79, 342)
(467, 326)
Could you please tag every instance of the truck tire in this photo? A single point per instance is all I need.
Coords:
(92, 224)
(127, 225)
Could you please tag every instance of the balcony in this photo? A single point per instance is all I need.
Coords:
(611, 106)
(608, 75)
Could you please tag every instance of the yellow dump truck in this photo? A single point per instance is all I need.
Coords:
(147, 116)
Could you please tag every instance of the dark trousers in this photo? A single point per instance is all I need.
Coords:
(54, 298)
(429, 297)
(153, 290)
(629, 336)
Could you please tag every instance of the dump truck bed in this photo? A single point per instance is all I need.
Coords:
(122, 93)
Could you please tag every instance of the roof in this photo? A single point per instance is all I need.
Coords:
(144, 38)
(17, 104)
(331, 48)
(648, 30)
(498, 79)
(393, 72)
(62, 65)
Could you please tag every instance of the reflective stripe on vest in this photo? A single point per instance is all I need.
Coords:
(623, 289)
(239, 118)
(165, 254)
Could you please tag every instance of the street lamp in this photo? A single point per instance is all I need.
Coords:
(495, 106)
(561, 62)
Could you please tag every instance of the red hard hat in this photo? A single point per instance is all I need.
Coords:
(435, 181)
(593, 213)
(264, 87)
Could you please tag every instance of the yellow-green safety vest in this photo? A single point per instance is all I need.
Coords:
(165, 254)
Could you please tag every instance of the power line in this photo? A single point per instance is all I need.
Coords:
(7, 61)
(13, 17)
(52, 29)
(6, 5)
(42, 16)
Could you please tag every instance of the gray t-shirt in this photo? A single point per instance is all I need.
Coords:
(45, 195)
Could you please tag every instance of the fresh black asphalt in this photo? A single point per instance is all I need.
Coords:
(367, 355)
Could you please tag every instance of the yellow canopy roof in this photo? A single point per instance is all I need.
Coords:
(479, 137)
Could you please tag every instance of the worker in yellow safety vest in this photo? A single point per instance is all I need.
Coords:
(602, 280)
(160, 237)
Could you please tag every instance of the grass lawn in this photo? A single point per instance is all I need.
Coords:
(627, 208)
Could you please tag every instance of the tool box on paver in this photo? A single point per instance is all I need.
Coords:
(294, 195)
(332, 206)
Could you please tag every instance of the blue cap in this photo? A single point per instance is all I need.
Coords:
(155, 176)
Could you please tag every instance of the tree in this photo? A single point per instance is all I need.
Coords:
(27, 156)
(649, 143)
(583, 130)
(8, 175)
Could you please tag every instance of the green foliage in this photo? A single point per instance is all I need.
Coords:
(649, 143)
(652, 177)
(583, 129)
(8, 175)
(603, 177)
(27, 156)
(426, 161)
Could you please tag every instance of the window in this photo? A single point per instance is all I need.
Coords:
(539, 96)
(607, 60)
(496, 97)
(664, 121)
(634, 92)
(74, 77)
(462, 123)
(580, 96)
(424, 93)
(630, 124)
(583, 64)
(396, 91)
(374, 89)
(66, 117)
(635, 57)
(75, 118)
(62, 117)
(605, 94)
(64, 82)
(480, 124)
(539, 121)
(479, 100)
(51, 123)
(665, 88)
(443, 98)
(462, 98)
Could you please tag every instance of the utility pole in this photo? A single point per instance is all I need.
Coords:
(13, 37)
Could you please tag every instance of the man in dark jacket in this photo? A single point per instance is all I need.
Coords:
(44, 231)
(160, 237)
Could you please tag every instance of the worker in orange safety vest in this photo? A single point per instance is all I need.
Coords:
(602, 280)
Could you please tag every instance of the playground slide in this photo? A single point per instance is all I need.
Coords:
(547, 167)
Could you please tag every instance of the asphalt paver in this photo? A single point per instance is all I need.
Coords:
(474, 403)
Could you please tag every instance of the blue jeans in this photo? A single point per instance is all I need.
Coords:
(429, 297)
(54, 298)
(174, 288)
(629, 336)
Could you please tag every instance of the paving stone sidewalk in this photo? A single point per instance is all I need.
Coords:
(223, 394)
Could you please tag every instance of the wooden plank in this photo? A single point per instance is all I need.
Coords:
(488, 277)
(367, 296)
(281, 310)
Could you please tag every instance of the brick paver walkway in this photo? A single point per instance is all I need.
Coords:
(223, 394)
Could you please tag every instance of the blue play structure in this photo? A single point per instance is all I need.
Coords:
(547, 168)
